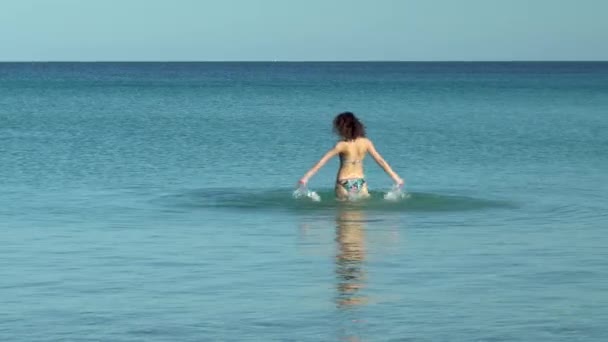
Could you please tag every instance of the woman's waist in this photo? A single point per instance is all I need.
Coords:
(350, 175)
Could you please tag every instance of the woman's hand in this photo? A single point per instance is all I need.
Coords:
(399, 181)
(303, 181)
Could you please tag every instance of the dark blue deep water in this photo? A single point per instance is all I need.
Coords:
(152, 202)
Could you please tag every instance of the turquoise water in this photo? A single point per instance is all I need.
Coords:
(152, 202)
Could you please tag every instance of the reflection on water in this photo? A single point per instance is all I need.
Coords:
(358, 235)
(350, 236)
(350, 271)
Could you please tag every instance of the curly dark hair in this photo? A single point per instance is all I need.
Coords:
(348, 126)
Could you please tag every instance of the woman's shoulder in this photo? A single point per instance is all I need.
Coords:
(358, 141)
(364, 140)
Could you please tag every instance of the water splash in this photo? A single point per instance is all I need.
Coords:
(395, 194)
(303, 199)
(303, 192)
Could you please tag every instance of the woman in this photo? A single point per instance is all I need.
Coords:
(352, 148)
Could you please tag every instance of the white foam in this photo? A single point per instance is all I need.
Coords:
(395, 194)
(303, 192)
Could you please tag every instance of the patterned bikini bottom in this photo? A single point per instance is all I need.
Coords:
(352, 185)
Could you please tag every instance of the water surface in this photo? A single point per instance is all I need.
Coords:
(152, 202)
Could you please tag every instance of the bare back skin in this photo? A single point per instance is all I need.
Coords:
(352, 153)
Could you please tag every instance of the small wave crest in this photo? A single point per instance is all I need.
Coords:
(304, 199)
(395, 194)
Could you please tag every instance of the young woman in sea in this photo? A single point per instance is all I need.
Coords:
(352, 148)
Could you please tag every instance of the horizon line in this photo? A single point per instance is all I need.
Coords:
(315, 61)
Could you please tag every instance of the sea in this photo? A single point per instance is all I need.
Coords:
(155, 202)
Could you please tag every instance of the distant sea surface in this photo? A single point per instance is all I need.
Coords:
(153, 202)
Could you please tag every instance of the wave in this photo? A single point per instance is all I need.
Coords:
(282, 199)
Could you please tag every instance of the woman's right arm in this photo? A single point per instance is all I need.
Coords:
(330, 154)
(383, 164)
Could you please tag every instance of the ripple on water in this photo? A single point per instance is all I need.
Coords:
(281, 199)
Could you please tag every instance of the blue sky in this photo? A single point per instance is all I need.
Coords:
(98, 30)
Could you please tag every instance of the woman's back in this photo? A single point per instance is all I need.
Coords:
(352, 154)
